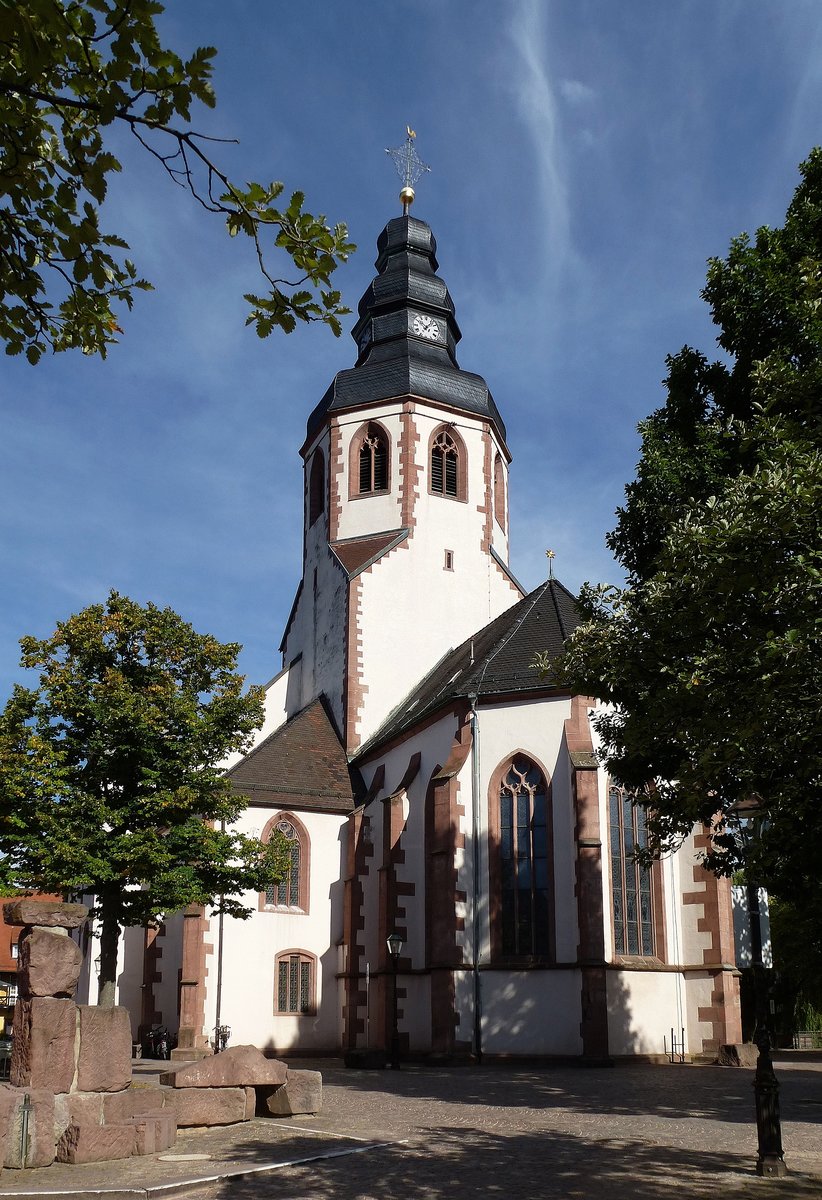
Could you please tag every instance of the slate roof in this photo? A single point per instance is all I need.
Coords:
(393, 359)
(495, 661)
(302, 765)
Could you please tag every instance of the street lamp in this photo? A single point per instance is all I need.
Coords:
(752, 818)
(395, 944)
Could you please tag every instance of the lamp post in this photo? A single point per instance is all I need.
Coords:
(752, 818)
(395, 944)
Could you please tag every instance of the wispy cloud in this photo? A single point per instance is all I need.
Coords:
(536, 96)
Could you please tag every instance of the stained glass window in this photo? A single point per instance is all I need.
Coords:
(630, 881)
(286, 893)
(524, 874)
(294, 983)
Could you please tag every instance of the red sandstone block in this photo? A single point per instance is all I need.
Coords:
(104, 1061)
(240, 1066)
(208, 1106)
(39, 1150)
(302, 1093)
(42, 1054)
(45, 912)
(154, 1132)
(135, 1101)
(49, 963)
(96, 1143)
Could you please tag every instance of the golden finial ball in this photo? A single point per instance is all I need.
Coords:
(407, 197)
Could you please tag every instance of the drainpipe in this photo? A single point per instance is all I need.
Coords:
(475, 794)
(219, 1002)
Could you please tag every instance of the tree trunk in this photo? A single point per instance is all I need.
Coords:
(109, 941)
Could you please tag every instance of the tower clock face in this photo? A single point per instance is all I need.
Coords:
(426, 327)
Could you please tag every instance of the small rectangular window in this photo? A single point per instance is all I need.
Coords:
(449, 560)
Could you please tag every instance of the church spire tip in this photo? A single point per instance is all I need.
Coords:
(409, 167)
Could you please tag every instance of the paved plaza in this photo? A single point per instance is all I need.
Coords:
(494, 1131)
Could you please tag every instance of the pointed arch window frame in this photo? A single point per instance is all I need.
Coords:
(442, 474)
(301, 969)
(368, 429)
(544, 955)
(615, 813)
(317, 485)
(500, 508)
(302, 890)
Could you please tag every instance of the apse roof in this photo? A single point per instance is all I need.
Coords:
(495, 661)
(302, 765)
(407, 335)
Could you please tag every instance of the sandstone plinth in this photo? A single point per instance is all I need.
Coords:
(96, 1143)
(104, 1061)
(301, 1093)
(210, 1106)
(42, 1054)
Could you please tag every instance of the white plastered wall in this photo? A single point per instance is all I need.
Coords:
(250, 948)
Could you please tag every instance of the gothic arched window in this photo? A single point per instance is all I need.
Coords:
(292, 890)
(447, 462)
(316, 487)
(295, 982)
(373, 461)
(631, 887)
(521, 867)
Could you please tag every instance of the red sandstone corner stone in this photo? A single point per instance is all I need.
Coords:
(302, 1093)
(77, 1108)
(104, 1061)
(8, 1096)
(42, 1049)
(45, 912)
(49, 963)
(240, 1066)
(96, 1143)
(208, 1106)
(40, 1145)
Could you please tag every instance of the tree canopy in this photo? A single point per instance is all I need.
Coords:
(110, 776)
(708, 660)
(69, 73)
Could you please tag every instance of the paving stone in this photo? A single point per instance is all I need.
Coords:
(49, 963)
(43, 1045)
(45, 912)
(96, 1143)
(104, 1059)
(301, 1093)
(240, 1066)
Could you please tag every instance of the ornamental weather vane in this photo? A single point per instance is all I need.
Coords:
(409, 168)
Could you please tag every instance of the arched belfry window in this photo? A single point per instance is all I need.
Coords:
(316, 487)
(499, 491)
(292, 890)
(521, 861)
(373, 461)
(447, 463)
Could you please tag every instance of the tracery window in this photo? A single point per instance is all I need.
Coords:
(525, 917)
(445, 465)
(316, 487)
(292, 890)
(631, 887)
(294, 982)
(373, 461)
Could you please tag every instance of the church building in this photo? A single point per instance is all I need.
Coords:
(431, 783)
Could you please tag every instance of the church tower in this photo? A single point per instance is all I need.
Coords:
(405, 501)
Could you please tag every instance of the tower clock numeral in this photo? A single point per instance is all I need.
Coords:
(425, 326)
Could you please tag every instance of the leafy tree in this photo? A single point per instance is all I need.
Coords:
(709, 659)
(110, 780)
(70, 72)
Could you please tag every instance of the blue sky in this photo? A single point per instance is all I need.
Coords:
(587, 158)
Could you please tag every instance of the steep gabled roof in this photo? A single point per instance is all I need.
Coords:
(357, 553)
(495, 661)
(302, 764)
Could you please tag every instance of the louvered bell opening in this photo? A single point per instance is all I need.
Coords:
(436, 471)
(450, 474)
(380, 467)
(365, 468)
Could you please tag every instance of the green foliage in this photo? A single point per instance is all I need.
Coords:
(70, 72)
(709, 660)
(110, 778)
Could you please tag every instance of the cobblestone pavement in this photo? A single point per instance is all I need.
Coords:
(642, 1132)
